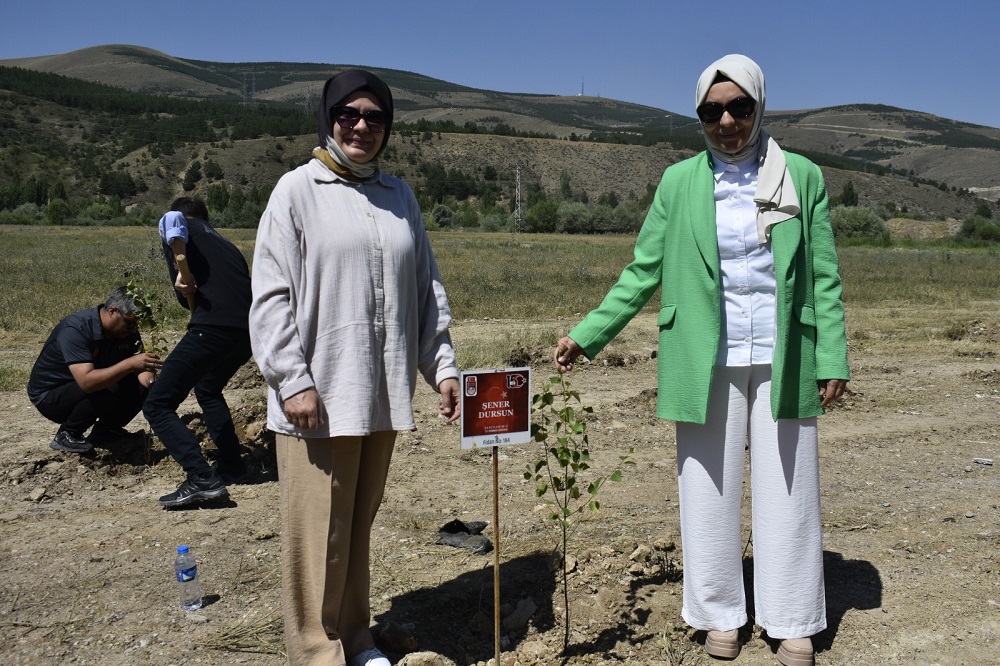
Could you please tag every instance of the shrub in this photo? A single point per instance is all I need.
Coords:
(542, 217)
(573, 218)
(442, 216)
(858, 223)
(972, 226)
(58, 212)
(465, 218)
(28, 213)
(988, 232)
(492, 222)
(629, 216)
(602, 220)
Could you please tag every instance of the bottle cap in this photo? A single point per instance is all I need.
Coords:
(182, 549)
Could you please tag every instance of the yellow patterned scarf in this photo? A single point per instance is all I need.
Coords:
(325, 157)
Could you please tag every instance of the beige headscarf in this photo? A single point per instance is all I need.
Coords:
(775, 197)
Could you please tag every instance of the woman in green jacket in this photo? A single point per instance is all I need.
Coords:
(752, 348)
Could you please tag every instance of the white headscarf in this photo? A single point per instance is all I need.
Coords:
(775, 197)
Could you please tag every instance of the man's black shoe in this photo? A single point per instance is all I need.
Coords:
(71, 442)
(196, 487)
(232, 473)
(102, 434)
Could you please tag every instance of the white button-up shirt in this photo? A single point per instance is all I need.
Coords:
(748, 285)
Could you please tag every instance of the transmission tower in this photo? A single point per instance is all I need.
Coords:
(517, 199)
(308, 103)
(249, 96)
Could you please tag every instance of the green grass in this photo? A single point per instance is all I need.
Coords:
(12, 377)
(900, 277)
(527, 276)
(539, 285)
(49, 272)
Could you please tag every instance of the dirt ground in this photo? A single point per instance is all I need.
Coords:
(911, 502)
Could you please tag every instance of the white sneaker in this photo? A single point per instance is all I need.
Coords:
(372, 657)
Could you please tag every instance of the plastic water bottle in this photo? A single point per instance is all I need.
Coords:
(187, 579)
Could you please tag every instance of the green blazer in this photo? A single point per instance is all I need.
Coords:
(677, 250)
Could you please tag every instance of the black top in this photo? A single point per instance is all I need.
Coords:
(78, 338)
(221, 273)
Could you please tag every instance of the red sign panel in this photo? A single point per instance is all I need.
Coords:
(496, 407)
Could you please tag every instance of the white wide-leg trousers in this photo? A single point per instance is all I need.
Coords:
(789, 599)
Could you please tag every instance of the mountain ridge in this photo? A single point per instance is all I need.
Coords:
(923, 146)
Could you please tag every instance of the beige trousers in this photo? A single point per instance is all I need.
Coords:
(331, 489)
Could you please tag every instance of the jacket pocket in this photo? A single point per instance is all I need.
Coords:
(666, 318)
(806, 314)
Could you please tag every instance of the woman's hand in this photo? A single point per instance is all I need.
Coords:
(565, 354)
(831, 390)
(304, 410)
(451, 401)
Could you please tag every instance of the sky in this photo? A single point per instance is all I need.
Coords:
(931, 56)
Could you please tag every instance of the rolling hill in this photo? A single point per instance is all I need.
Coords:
(916, 161)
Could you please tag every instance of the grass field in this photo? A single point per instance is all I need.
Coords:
(891, 294)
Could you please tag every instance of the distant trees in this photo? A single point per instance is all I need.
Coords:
(543, 217)
(453, 199)
(191, 176)
(847, 197)
(118, 184)
(17, 192)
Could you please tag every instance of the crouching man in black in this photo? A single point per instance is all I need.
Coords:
(89, 374)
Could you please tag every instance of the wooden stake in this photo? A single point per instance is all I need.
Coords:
(185, 271)
(496, 558)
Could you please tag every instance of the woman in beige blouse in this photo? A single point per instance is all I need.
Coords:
(348, 306)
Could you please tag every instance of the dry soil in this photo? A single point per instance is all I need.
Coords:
(910, 484)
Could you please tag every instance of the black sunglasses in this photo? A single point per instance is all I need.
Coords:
(347, 117)
(741, 107)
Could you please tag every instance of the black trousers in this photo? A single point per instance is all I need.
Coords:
(75, 410)
(205, 359)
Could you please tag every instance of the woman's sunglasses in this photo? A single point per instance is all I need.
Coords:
(741, 107)
(347, 117)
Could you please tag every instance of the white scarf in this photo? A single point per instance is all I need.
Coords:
(775, 197)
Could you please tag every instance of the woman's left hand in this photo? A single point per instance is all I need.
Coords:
(831, 390)
(451, 405)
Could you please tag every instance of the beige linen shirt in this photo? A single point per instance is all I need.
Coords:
(347, 299)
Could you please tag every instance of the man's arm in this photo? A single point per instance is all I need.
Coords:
(185, 282)
(174, 233)
(93, 379)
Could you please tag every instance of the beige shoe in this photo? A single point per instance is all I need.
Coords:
(723, 644)
(796, 652)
